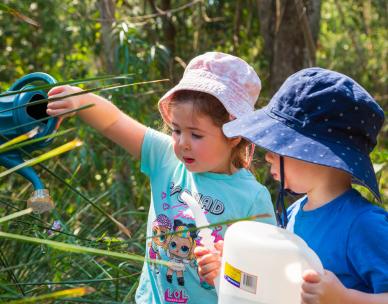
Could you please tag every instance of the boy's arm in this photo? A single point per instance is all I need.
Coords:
(103, 116)
(358, 297)
(327, 289)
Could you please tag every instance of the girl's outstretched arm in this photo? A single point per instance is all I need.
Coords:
(104, 116)
(327, 289)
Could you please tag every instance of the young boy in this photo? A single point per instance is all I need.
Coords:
(319, 129)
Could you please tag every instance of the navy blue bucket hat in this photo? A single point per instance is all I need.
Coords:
(318, 116)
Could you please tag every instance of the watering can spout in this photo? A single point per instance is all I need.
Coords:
(19, 114)
(13, 160)
(40, 200)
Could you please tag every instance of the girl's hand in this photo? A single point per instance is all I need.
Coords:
(60, 106)
(322, 289)
(209, 263)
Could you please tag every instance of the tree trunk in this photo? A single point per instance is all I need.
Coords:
(236, 26)
(107, 12)
(290, 30)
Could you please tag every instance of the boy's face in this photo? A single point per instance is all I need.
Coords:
(299, 176)
(199, 143)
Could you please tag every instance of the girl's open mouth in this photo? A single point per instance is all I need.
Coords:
(188, 160)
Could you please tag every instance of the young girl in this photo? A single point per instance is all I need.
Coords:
(319, 129)
(197, 158)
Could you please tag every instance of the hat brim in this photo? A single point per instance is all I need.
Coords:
(235, 102)
(267, 132)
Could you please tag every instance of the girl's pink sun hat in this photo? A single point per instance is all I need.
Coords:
(228, 78)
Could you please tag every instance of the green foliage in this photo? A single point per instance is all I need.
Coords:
(354, 40)
(68, 45)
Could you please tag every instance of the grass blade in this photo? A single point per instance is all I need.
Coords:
(15, 215)
(82, 249)
(222, 223)
(72, 292)
(103, 88)
(13, 277)
(121, 227)
(75, 81)
(18, 15)
(46, 118)
(20, 138)
(91, 281)
(35, 140)
(57, 151)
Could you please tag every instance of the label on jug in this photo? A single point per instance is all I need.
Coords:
(240, 279)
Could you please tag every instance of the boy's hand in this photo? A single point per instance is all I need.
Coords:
(209, 263)
(322, 289)
(59, 106)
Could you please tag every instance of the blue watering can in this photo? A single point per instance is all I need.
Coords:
(27, 118)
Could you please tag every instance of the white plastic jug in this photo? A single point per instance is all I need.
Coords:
(263, 264)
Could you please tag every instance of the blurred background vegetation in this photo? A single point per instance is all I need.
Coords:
(154, 39)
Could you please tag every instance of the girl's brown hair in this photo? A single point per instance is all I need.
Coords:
(206, 104)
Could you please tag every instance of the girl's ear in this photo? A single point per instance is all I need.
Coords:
(234, 141)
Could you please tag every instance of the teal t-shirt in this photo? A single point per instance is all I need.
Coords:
(223, 197)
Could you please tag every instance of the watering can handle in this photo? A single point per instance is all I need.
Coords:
(21, 82)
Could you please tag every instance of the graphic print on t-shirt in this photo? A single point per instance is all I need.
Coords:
(161, 227)
(180, 250)
(174, 239)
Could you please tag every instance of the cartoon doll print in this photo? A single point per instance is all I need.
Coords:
(161, 226)
(180, 250)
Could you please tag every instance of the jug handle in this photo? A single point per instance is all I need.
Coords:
(37, 76)
(216, 282)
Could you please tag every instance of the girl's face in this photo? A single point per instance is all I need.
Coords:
(299, 176)
(199, 143)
